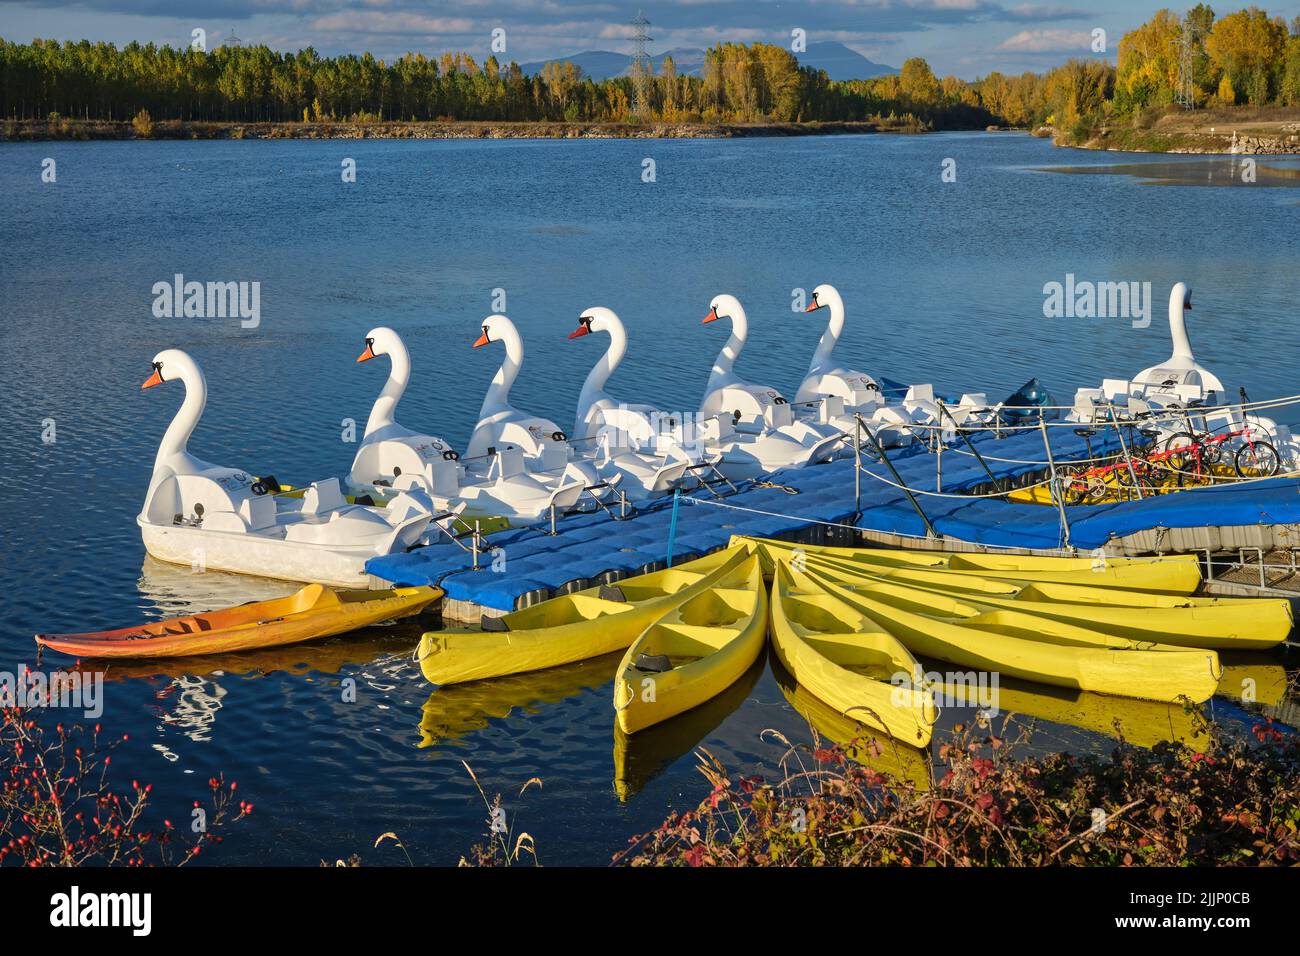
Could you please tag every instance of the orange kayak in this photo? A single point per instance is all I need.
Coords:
(313, 612)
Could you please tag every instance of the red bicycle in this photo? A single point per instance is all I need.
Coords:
(1196, 454)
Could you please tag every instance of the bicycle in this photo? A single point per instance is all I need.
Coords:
(1195, 454)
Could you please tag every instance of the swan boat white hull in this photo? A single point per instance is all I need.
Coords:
(342, 566)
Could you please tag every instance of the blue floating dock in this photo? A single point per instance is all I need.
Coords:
(531, 565)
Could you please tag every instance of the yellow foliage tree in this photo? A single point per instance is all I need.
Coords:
(1227, 95)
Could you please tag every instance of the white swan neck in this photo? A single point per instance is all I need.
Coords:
(384, 411)
(724, 364)
(593, 389)
(176, 439)
(821, 360)
(498, 393)
(1178, 332)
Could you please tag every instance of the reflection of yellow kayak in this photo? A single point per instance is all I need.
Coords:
(696, 650)
(1143, 723)
(461, 709)
(639, 758)
(1034, 649)
(1253, 679)
(1177, 574)
(848, 661)
(573, 627)
(860, 743)
(1220, 623)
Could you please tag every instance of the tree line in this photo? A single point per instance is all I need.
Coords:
(739, 83)
(1245, 57)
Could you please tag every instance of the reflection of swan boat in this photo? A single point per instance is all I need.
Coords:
(196, 707)
(209, 516)
(451, 713)
(1143, 723)
(866, 746)
(639, 758)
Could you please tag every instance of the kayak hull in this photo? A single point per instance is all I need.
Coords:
(821, 641)
(310, 613)
(565, 629)
(716, 636)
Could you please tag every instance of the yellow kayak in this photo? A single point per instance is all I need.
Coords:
(1020, 645)
(1178, 574)
(312, 612)
(695, 651)
(861, 744)
(1217, 623)
(570, 628)
(639, 758)
(846, 660)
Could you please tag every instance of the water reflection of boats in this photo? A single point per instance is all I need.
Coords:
(194, 712)
(1252, 679)
(871, 748)
(640, 757)
(456, 710)
(1143, 723)
(328, 656)
(172, 591)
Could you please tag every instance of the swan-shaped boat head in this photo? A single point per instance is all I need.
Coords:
(388, 450)
(1181, 368)
(859, 390)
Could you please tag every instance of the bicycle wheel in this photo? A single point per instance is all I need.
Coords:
(1211, 453)
(1182, 454)
(1257, 460)
(1144, 486)
(1097, 488)
(1163, 478)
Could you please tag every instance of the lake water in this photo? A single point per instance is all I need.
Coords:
(943, 282)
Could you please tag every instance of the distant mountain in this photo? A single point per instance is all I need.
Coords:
(839, 61)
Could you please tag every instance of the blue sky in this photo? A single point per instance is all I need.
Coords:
(966, 37)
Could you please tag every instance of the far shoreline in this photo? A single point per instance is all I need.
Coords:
(67, 129)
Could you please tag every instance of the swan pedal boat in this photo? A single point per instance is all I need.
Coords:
(224, 519)
(546, 449)
(694, 651)
(637, 443)
(1030, 648)
(572, 627)
(847, 661)
(392, 458)
(310, 613)
(843, 394)
(753, 427)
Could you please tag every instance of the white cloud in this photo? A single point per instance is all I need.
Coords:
(1048, 41)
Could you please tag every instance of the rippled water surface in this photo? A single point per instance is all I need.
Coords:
(943, 282)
